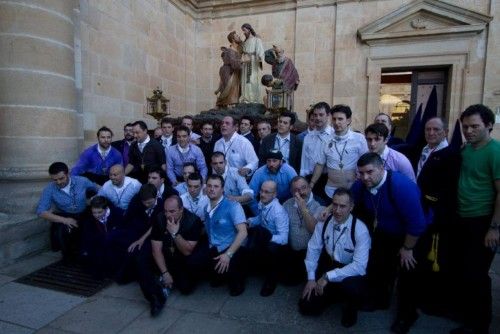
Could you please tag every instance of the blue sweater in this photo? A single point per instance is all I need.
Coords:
(91, 161)
(399, 216)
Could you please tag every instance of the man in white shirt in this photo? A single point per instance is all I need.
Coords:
(340, 153)
(238, 150)
(120, 189)
(167, 137)
(195, 200)
(336, 260)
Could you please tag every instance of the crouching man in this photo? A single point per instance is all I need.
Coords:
(336, 260)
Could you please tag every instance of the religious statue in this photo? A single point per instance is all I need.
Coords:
(252, 57)
(282, 68)
(283, 82)
(230, 73)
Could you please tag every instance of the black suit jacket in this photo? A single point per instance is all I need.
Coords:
(438, 182)
(153, 154)
(295, 150)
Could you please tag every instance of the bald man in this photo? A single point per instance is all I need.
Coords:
(268, 236)
(120, 189)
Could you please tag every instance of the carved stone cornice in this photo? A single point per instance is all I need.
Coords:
(424, 19)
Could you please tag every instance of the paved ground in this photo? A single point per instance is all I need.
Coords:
(121, 309)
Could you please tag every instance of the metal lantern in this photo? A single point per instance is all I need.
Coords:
(279, 100)
(157, 106)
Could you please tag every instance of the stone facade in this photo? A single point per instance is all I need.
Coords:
(69, 67)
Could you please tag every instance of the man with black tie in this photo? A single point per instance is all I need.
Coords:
(283, 141)
(144, 153)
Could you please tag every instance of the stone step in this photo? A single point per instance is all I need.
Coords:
(21, 236)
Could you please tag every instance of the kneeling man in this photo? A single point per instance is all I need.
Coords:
(338, 254)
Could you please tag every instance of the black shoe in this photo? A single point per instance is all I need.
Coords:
(157, 305)
(268, 288)
(349, 317)
(236, 289)
(402, 326)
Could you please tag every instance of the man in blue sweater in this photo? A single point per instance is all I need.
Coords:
(391, 202)
(95, 162)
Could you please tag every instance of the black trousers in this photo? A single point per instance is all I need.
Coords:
(236, 274)
(476, 283)
(350, 292)
(383, 268)
(67, 240)
(294, 268)
(265, 254)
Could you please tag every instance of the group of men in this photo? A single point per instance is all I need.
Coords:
(342, 212)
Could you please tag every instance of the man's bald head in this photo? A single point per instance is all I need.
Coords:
(268, 192)
(117, 175)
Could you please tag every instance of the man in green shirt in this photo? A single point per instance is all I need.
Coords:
(479, 216)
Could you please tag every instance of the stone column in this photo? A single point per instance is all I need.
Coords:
(39, 123)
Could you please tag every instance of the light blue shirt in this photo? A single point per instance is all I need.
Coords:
(181, 188)
(283, 145)
(282, 178)
(234, 183)
(74, 202)
(221, 221)
(274, 218)
(120, 197)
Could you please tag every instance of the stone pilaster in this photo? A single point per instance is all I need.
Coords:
(38, 119)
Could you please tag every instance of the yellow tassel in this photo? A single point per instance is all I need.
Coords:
(432, 253)
(435, 265)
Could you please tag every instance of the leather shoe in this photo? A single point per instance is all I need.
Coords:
(156, 306)
(236, 289)
(268, 288)
(402, 326)
(349, 317)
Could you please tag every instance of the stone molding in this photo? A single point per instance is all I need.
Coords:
(424, 19)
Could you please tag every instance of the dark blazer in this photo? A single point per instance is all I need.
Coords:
(295, 150)
(152, 155)
(253, 140)
(438, 182)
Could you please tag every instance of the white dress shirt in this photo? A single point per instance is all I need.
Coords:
(338, 244)
(239, 152)
(313, 143)
(196, 205)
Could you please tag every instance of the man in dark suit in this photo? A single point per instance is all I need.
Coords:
(283, 141)
(123, 146)
(246, 126)
(144, 153)
(167, 137)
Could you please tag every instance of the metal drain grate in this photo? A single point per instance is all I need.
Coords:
(65, 278)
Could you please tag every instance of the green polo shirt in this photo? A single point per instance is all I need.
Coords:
(476, 186)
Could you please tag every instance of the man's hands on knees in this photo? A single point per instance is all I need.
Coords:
(308, 289)
(69, 222)
(222, 265)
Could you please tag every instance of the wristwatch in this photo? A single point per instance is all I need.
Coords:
(494, 225)
(229, 254)
(173, 235)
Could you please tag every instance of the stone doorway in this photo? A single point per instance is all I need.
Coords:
(403, 92)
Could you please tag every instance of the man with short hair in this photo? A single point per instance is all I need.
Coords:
(479, 216)
(188, 121)
(94, 163)
(340, 153)
(311, 125)
(435, 132)
(62, 203)
(238, 151)
(226, 231)
(120, 189)
(376, 137)
(235, 186)
(337, 256)
(123, 146)
(246, 126)
(277, 171)
(182, 153)
(268, 235)
(397, 222)
(207, 141)
(302, 210)
(158, 177)
(283, 141)
(387, 121)
(167, 133)
(195, 200)
(144, 153)
(174, 239)
(263, 130)
(188, 169)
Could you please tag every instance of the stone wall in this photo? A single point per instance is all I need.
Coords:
(128, 48)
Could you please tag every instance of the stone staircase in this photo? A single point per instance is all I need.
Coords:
(21, 236)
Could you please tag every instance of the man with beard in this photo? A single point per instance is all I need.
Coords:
(277, 171)
(123, 146)
(94, 163)
(252, 57)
